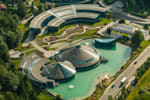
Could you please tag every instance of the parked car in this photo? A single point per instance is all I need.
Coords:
(113, 86)
(135, 62)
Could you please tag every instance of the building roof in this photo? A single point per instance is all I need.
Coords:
(3, 6)
(124, 28)
(93, 7)
(79, 56)
(66, 12)
(105, 40)
(58, 71)
(31, 65)
(40, 70)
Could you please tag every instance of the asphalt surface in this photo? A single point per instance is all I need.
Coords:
(129, 73)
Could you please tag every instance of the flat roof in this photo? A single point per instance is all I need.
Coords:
(93, 7)
(124, 27)
(80, 56)
(37, 21)
(31, 65)
(105, 40)
(55, 22)
(62, 12)
(87, 15)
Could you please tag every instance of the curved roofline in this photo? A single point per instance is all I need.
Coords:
(58, 12)
(105, 40)
(83, 57)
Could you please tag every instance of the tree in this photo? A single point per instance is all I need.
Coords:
(109, 31)
(9, 31)
(10, 95)
(21, 8)
(4, 56)
(110, 98)
(9, 81)
(58, 97)
(146, 26)
(137, 38)
(13, 81)
(2, 97)
(122, 21)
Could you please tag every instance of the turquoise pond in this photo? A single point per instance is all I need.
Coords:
(84, 82)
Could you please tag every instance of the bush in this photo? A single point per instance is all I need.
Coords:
(137, 38)
(146, 26)
(122, 21)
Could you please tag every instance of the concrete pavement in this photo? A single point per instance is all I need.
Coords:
(129, 73)
(46, 53)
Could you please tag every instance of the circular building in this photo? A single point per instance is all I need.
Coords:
(40, 71)
(82, 57)
(55, 18)
(58, 71)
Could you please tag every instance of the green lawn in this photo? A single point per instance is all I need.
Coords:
(59, 32)
(104, 21)
(36, 2)
(42, 96)
(115, 32)
(125, 35)
(23, 28)
(88, 34)
(109, 1)
(142, 89)
(143, 45)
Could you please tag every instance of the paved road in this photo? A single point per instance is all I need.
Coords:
(129, 73)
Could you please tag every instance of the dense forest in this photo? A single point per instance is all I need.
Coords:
(13, 85)
(138, 7)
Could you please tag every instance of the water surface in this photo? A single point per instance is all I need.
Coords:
(84, 82)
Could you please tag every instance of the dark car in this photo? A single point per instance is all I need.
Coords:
(113, 86)
(135, 62)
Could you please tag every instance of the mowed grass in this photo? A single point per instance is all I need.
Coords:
(43, 96)
(143, 45)
(36, 2)
(59, 32)
(87, 34)
(104, 21)
(142, 89)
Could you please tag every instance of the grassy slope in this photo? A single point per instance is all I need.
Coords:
(103, 21)
(143, 45)
(88, 34)
(141, 85)
(42, 96)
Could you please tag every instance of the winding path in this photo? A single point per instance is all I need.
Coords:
(62, 36)
(47, 53)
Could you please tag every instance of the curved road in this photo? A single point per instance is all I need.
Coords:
(129, 73)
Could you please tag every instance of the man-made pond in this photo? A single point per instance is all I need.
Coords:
(83, 84)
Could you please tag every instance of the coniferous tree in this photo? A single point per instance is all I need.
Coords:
(21, 8)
